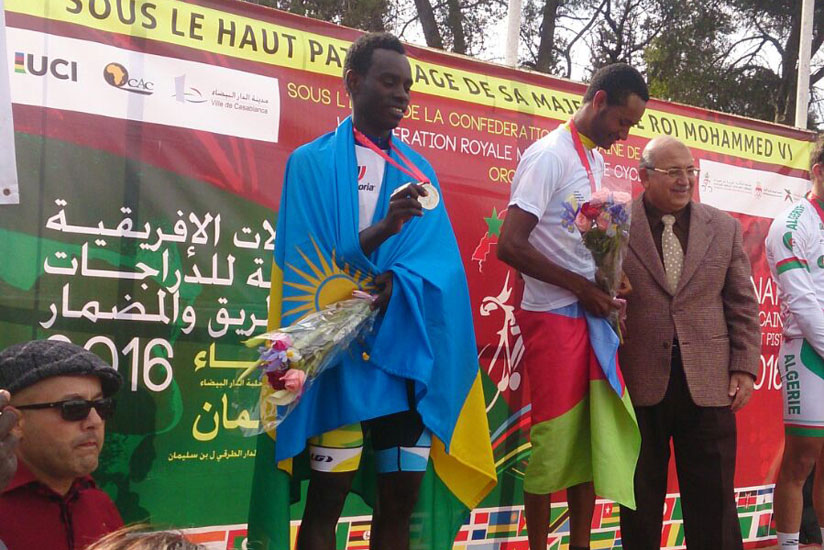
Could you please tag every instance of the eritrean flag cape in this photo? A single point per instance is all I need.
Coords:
(426, 336)
(583, 423)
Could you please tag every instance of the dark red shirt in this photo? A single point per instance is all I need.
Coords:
(32, 516)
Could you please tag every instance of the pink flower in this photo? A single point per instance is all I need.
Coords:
(621, 198)
(293, 380)
(600, 197)
(603, 221)
(281, 341)
(582, 222)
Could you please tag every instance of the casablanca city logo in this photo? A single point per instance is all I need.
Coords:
(187, 95)
(759, 190)
(706, 186)
(41, 65)
(117, 75)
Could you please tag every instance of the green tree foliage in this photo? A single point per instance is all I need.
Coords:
(736, 56)
(459, 26)
(367, 15)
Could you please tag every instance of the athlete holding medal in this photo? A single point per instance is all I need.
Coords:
(363, 201)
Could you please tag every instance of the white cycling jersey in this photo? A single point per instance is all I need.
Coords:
(795, 253)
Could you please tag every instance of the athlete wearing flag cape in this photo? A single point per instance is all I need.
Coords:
(361, 209)
(584, 433)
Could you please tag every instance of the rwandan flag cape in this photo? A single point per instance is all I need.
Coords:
(581, 411)
(426, 336)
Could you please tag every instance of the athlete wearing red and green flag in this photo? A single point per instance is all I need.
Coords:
(584, 434)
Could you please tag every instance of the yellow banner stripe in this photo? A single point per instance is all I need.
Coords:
(206, 29)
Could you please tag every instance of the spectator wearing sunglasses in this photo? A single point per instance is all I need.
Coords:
(62, 396)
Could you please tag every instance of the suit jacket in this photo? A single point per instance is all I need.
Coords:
(713, 312)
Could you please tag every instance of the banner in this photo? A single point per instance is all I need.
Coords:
(151, 138)
(8, 166)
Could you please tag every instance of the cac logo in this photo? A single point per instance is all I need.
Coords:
(117, 75)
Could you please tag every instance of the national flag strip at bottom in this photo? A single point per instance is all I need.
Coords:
(359, 534)
(503, 524)
(764, 525)
(672, 535)
(745, 501)
(602, 540)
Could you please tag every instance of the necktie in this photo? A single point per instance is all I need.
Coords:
(672, 251)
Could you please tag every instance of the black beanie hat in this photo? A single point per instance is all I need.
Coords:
(22, 365)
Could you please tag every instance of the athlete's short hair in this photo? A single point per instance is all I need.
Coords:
(359, 55)
(618, 80)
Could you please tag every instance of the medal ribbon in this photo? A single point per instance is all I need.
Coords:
(579, 148)
(410, 169)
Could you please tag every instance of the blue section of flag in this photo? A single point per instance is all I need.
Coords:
(426, 334)
(605, 343)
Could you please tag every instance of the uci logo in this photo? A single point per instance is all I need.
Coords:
(61, 69)
(117, 75)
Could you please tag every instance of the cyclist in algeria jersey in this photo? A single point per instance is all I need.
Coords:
(795, 253)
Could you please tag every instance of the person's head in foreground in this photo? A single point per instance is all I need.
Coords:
(137, 538)
(63, 395)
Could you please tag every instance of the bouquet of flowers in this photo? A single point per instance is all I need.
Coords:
(604, 225)
(292, 357)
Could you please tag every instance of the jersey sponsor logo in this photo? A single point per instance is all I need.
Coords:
(317, 457)
(361, 172)
(366, 187)
(820, 262)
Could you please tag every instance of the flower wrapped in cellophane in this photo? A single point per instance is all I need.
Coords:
(292, 357)
(604, 225)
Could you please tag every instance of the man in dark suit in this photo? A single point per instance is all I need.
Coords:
(690, 354)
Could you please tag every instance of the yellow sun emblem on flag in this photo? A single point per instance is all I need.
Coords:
(326, 283)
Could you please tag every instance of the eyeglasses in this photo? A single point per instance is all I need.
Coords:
(74, 410)
(675, 172)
